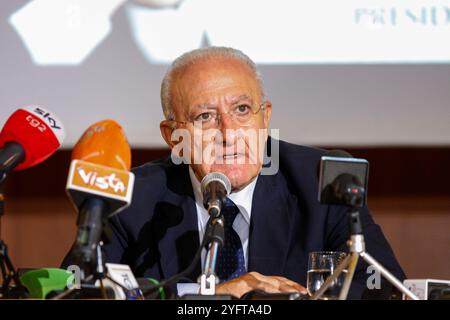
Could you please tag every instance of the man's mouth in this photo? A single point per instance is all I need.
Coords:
(233, 156)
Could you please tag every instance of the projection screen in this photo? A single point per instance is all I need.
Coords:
(352, 73)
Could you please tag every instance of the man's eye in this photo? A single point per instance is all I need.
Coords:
(242, 109)
(205, 116)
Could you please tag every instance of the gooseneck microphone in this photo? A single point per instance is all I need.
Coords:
(99, 185)
(215, 187)
(29, 136)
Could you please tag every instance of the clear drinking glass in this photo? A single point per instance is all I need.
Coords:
(320, 266)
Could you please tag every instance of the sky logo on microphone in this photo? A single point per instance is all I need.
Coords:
(38, 117)
(52, 121)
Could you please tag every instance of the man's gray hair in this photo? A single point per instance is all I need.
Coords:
(197, 55)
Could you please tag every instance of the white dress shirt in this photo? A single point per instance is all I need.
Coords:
(243, 200)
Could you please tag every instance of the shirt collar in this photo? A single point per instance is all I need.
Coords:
(243, 198)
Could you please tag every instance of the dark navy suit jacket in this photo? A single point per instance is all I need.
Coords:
(158, 234)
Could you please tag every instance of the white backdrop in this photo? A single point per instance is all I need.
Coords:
(391, 87)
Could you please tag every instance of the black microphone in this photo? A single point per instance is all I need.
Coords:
(215, 187)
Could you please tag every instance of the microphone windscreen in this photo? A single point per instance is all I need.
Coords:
(100, 167)
(215, 176)
(37, 130)
(41, 282)
(104, 143)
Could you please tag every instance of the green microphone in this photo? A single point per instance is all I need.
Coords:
(41, 282)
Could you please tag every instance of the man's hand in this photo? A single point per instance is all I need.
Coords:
(256, 281)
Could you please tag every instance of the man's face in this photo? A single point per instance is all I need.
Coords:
(225, 87)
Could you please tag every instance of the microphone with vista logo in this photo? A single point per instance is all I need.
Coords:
(100, 185)
(29, 136)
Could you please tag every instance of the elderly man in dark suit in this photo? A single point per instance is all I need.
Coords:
(277, 219)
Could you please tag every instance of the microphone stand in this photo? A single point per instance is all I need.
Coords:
(214, 235)
(215, 238)
(357, 248)
(88, 284)
(9, 273)
(213, 241)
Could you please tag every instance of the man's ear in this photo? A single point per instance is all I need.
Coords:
(166, 128)
(267, 113)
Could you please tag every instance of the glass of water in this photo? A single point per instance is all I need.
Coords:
(320, 266)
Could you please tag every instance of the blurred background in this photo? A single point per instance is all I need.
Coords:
(371, 79)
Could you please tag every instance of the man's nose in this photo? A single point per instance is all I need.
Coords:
(226, 121)
(228, 128)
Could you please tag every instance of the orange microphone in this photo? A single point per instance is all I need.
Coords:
(104, 143)
(99, 185)
(100, 166)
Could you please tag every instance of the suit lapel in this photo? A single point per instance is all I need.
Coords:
(177, 216)
(270, 226)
